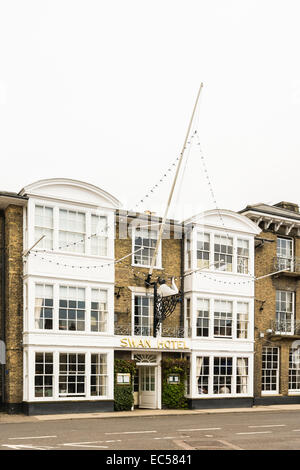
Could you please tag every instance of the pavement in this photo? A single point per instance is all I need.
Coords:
(20, 418)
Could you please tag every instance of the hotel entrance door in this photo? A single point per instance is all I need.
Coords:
(147, 387)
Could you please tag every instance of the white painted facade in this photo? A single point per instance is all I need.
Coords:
(63, 338)
(77, 270)
(227, 349)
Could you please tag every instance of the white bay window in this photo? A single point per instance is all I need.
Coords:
(72, 231)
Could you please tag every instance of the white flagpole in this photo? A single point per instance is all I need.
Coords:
(174, 183)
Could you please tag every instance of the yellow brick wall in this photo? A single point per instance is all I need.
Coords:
(2, 367)
(14, 304)
(125, 276)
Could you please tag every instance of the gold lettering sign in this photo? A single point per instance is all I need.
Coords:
(152, 343)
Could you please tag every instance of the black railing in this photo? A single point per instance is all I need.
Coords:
(168, 332)
(288, 264)
(285, 327)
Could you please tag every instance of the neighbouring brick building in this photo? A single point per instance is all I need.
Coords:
(78, 301)
(277, 303)
(11, 300)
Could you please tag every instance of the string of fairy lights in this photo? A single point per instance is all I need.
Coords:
(162, 180)
(211, 190)
(65, 265)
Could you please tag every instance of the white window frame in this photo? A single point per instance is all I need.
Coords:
(188, 324)
(203, 318)
(30, 239)
(150, 297)
(75, 373)
(99, 237)
(188, 251)
(212, 301)
(43, 306)
(30, 363)
(44, 375)
(292, 321)
(42, 243)
(242, 256)
(158, 261)
(242, 321)
(222, 319)
(234, 357)
(105, 375)
(209, 262)
(76, 308)
(288, 260)
(221, 267)
(104, 312)
(213, 266)
(276, 391)
(29, 308)
(69, 244)
(294, 366)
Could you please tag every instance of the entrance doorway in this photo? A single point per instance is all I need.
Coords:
(147, 381)
(147, 387)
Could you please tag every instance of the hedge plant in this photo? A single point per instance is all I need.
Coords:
(173, 394)
(124, 393)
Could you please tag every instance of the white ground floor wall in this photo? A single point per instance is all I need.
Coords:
(56, 373)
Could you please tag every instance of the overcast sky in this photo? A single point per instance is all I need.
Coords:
(102, 91)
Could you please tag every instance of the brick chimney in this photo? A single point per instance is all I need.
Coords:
(289, 206)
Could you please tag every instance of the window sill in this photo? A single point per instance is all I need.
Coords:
(61, 332)
(56, 399)
(146, 266)
(224, 395)
(218, 338)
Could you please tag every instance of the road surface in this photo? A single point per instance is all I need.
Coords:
(234, 431)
